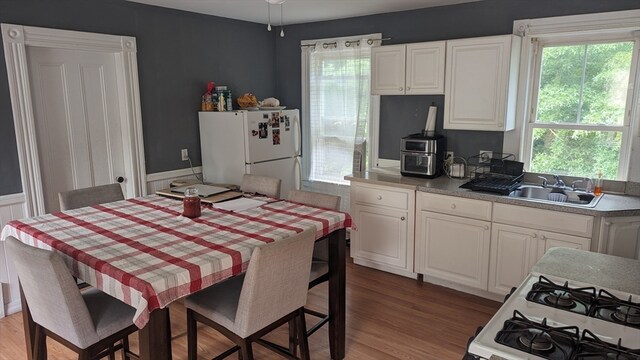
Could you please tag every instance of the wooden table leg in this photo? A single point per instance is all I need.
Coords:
(155, 337)
(30, 331)
(337, 286)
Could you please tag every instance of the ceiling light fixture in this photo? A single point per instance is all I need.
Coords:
(274, 2)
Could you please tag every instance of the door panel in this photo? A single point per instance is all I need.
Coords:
(284, 169)
(511, 252)
(280, 140)
(77, 119)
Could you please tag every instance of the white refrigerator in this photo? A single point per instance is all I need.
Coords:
(254, 142)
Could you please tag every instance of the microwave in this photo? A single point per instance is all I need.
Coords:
(422, 156)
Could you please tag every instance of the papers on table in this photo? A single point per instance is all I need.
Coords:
(239, 204)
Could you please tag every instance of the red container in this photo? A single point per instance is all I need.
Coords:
(191, 203)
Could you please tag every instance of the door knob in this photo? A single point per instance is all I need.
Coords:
(120, 179)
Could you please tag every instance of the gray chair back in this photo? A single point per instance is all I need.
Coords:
(52, 294)
(275, 283)
(264, 185)
(324, 201)
(101, 194)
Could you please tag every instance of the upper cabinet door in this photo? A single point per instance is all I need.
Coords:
(425, 68)
(387, 70)
(481, 83)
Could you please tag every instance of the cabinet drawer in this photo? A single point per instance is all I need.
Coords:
(540, 219)
(381, 196)
(453, 205)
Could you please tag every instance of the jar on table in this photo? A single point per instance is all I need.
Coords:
(191, 203)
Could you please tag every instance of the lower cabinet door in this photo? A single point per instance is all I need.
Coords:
(513, 250)
(381, 236)
(453, 248)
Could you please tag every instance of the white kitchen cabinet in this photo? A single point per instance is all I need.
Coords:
(620, 236)
(383, 235)
(408, 69)
(516, 248)
(452, 239)
(481, 83)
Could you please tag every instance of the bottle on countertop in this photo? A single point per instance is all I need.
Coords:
(597, 189)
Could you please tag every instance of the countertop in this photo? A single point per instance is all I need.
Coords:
(608, 271)
(609, 204)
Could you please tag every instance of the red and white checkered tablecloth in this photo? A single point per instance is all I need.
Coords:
(144, 253)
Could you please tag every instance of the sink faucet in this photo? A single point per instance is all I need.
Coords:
(544, 181)
(587, 182)
(559, 182)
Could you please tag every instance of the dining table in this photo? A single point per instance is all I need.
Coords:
(143, 252)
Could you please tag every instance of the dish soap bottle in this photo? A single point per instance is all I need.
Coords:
(597, 189)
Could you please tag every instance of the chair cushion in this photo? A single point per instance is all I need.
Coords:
(218, 302)
(318, 268)
(109, 314)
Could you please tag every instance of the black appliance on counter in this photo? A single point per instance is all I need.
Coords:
(422, 155)
(504, 177)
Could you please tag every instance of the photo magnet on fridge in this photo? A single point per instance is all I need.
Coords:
(275, 120)
(287, 123)
(276, 137)
(262, 130)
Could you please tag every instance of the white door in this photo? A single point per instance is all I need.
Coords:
(77, 120)
(271, 135)
(288, 170)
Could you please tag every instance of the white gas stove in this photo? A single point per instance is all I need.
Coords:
(550, 318)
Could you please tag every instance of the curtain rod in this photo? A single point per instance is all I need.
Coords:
(346, 43)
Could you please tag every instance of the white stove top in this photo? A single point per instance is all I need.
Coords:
(486, 347)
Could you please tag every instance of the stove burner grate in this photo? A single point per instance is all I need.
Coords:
(538, 338)
(591, 347)
(576, 300)
(610, 308)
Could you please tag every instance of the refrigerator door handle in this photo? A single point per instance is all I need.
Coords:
(298, 138)
(298, 173)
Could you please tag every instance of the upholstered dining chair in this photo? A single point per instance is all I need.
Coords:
(89, 323)
(101, 194)
(263, 185)
(320, 264)
(74, 199)
(245, 308)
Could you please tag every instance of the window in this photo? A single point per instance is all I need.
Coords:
(337, 105)
(581, 105)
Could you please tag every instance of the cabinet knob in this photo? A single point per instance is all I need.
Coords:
(534, 235)
(453, 206)
(408, 87)
(543, 237)
(400, 88)
(607, 223)
(402, 218)
(379, 197)
(486, 227)
(500, 124)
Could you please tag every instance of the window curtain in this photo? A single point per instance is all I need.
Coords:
(339, 94)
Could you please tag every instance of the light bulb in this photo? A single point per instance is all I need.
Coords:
(269, 16)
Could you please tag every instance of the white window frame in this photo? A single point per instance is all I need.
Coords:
(374, 105)
(571, 29)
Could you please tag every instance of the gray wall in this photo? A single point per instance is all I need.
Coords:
(178, 53)
(402, 115)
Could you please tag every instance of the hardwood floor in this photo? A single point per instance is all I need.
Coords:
(388, 317)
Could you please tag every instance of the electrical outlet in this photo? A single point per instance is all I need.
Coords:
(485, 156)
(185, 154)
(448, 157)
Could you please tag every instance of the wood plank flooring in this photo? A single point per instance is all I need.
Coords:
(388, 317)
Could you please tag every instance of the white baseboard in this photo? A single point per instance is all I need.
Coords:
(13, 307)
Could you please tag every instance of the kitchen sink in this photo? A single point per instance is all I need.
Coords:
(565, 196)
